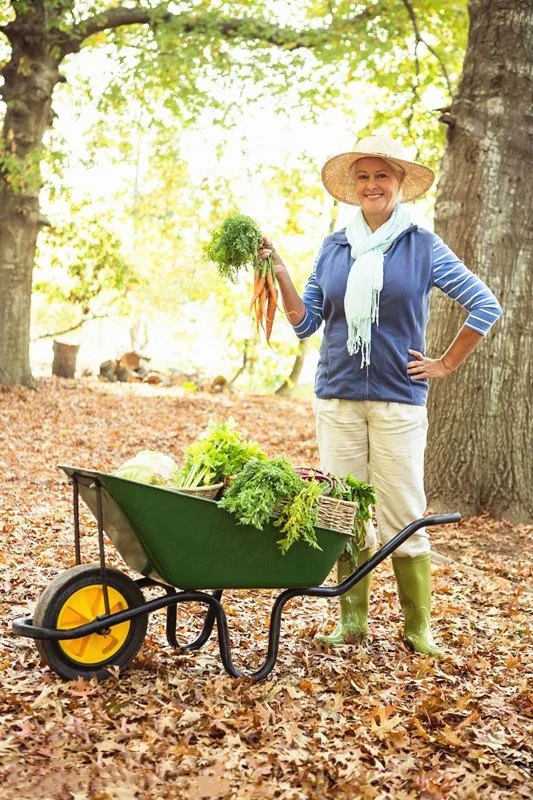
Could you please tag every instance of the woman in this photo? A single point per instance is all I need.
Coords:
(370, 285)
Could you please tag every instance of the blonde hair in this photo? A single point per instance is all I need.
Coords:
(400, 174)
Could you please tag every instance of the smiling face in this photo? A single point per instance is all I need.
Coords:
(377, 187)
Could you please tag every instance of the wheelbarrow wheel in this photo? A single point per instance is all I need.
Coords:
(76, 597)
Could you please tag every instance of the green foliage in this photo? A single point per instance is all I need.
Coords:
(7, 11)
(217, 50)
(349, 488)
(299, 517)
(265, 486)
(218, 453)
(22, 175)
(234, 245)
(208, 52)
(85, 265)
(414, 65)
(259, 488)
(197, 54)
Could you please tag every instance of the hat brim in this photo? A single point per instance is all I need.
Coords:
(337, 178)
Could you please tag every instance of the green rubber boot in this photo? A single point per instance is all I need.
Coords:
(413, 576)
(353, 623)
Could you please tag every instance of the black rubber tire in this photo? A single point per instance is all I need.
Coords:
(54, 598)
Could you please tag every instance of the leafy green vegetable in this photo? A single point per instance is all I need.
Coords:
(259, 488)
(148, 466)
(262, 487)
(234, 245)
(299, 517)
(364, 496)
(219, 452)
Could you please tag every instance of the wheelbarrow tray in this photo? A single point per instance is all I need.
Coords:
(191, 543)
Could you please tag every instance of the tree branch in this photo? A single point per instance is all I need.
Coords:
(116, 18)
(72, 327)
(229, 28)
(419, 39)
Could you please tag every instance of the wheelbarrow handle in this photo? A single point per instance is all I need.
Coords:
(443, 519)
(383, 553)
(413, 527)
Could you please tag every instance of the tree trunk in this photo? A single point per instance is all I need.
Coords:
(64, 363)
(480, 445)
(30, 77)
(288, 385)
(29, 80)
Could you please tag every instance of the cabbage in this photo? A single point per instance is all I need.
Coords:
(148, 466)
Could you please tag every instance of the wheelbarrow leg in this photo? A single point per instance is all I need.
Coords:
(205, 633)
(273, 638)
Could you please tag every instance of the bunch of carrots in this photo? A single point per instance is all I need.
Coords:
(236, 244)
(265, 297)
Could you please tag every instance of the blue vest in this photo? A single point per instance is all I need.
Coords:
(403, 317)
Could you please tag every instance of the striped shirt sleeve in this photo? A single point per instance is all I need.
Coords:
(458, 282)
(313, 300)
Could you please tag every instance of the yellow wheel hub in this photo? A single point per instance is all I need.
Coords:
(84, 606)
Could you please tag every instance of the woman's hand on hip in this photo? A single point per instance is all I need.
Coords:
(424, 367)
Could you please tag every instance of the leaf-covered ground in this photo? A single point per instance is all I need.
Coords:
(370, 720)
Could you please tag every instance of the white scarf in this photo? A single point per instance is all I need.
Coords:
(365, 281)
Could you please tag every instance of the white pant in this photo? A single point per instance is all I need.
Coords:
(383, 444)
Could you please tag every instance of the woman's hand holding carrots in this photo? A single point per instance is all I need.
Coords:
(268, 249)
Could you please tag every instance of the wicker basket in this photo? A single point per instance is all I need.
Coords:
(207, 492)
(337, 515)
(228, 480)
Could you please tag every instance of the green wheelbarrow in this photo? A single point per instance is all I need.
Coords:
(93, 617)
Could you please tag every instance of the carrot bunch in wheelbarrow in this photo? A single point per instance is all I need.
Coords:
(235, 245)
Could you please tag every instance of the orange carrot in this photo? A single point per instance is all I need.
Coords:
(259, 285)
(257, 312)
(272, 304)
(262, 307)
(272, 288)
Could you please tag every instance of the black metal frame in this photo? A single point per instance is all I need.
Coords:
(215, 610)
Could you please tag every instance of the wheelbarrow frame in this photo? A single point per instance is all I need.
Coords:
(215, 613)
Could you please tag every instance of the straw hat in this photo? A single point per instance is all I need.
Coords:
(338, 171)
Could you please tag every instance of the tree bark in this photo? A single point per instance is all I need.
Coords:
(29, 80)
(481, 442)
